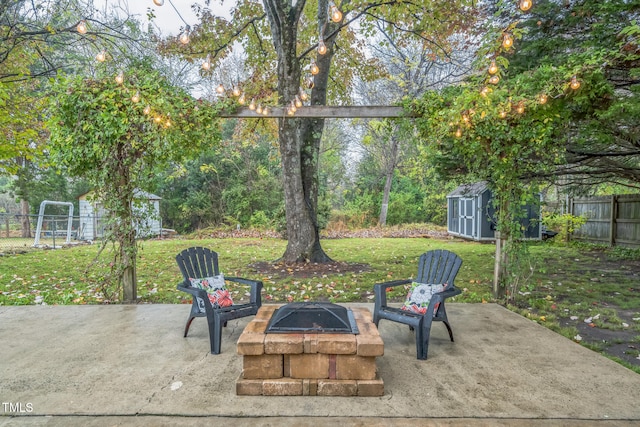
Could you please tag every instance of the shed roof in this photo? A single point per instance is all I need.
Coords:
(137, 193)
(470, 190)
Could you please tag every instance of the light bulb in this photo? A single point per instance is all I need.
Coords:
(502, 114)
(494, 80)
(297, 102)
(293, 106)
(242, 99)
(485, 91)
(168, 123)
(158, 119)
(220, 89)
(290, 111)
(147, 110)
(575, 84)
(265, 111)
(184, 37)
(520, 108)
(458, 133)
(259, 109)
(525, 5)
(120, 78)
(309, 83)
(235, 91)
(465, 117)
(82, 27)
(206, 65)
(314, 68)
(158, 2)
(136, 97)
(507, 41)
(322, 48)
(336, 15)
(493, 68)
(101, 56)
(543, 98)
(303, 95)
(252, 105)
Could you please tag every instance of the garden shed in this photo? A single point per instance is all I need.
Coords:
(471, 214)
(93, 216)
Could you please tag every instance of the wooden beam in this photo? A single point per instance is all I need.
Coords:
(322, 111)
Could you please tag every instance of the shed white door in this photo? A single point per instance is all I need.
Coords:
(467, 211)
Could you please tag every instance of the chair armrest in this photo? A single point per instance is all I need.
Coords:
(380, 291)
(256, 288)
(197, 292)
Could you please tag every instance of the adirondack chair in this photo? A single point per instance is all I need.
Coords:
(435, 268)
(199, 264)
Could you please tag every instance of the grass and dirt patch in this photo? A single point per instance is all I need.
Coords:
(588, 294)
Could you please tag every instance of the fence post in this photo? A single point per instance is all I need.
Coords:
(613, 228)
(6, 221)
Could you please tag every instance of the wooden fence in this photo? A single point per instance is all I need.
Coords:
(611, 220)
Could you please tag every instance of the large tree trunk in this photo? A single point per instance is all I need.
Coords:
(299, 139)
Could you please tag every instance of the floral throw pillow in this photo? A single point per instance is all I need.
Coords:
(419, 297)
(216, 291)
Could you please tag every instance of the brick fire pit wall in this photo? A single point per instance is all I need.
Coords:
(309, 364)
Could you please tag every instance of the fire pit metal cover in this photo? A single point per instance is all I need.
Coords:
(319, 317)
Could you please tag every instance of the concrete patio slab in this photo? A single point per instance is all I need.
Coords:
(130, 365)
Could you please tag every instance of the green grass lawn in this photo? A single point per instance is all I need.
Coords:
(568, 286)
(61, 276)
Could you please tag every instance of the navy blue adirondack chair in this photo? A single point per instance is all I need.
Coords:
(435, 267)
(200, 262)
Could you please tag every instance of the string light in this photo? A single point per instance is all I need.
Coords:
(120, 78)
(485, 91)
(220, 89)
(507, 41)
(494, 80)
(265, 111)
(136, 98)
(297, 102)
(525, 5)
(259, 109)
(502, 114)
(147, 110)
(235, 91)
(314, 68)
(493, 68)
(575, 84)
(82, 27)
(543, 98)
(101, 56)
(184, 37)
(303, 95)
(293, 107)
(206, 65)
(520, 108)
(336, 15)
(242, 99)
(458, 133)
(322, 48)
(252, 105)
(158, 2)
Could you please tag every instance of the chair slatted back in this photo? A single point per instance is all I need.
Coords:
(438, 267)
(197, 262)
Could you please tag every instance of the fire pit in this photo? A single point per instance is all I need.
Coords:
(310, 352)
(319, 317)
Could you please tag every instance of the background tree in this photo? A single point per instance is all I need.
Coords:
(115, 134)
(283, 35)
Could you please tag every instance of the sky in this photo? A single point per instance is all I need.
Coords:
(167, 19)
